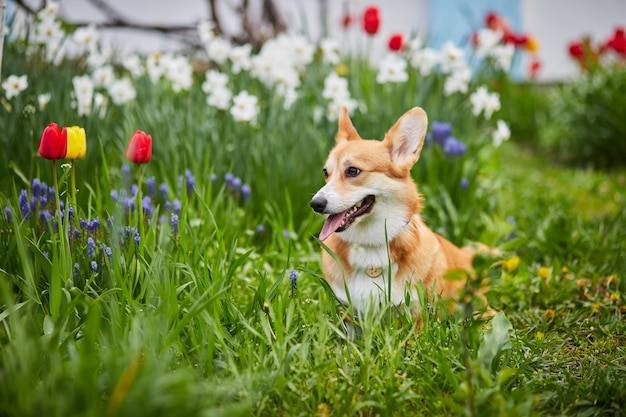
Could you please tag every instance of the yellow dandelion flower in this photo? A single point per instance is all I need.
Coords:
(341, 70)
(539, 335)
(512, 263)
(611, 279)
(564, 269)
(544, 272)
(596, 307)
(549, 313)
(323, 410)
(614, 296)
(582, 283)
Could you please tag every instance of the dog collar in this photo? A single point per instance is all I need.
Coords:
(374, 271)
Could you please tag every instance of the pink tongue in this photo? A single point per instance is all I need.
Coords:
(330, 225)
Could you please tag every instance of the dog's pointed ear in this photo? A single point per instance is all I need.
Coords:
(346, 129)
(406, 138)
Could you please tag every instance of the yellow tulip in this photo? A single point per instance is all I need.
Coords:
(76, 143)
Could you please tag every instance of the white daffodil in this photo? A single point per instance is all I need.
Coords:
(425, 60)
(48, 31)
(392, 69)
(218, 50)
(50, 11)
(335, 86)
(240, 58)
(100, 102)
(503, 55)
(14, 85)
(86, 37)
(334, 107)
(180, 73)
(44, 100)
(486, 41)
(245, 107)
(501, 134)
(484, 102)
(302, 50)
(97, 57)
(155, 67)
(451, 58)
(214, 80)
(133, 64)
(219, 97)
(122, 91)
(103, 76)
(206, 31)
(458, 81)
(330, 51)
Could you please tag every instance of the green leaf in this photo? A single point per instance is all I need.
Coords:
(48, 325)
(496, 340)
(456, 274)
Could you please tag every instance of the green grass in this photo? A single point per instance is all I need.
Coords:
(206, 320)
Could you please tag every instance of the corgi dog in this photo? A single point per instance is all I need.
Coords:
(382, 248)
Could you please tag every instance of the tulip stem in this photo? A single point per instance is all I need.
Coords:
(74, 187)
(55, 285)
(139, 200)
(56, 191)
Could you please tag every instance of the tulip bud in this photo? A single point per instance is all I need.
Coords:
(53, 143)
(76, 142)
(396, 42)
(139, 148)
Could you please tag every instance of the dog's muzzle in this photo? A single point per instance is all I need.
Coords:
(318, 204)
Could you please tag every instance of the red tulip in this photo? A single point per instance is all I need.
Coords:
(535, 67)
(520, 41)
(576, 50)
(396, 42)
(347, 20)
(139, 148)
(496, 22)
(53, 143)
(618, 41)
(509, 37)
(371, 20)
(492, 20)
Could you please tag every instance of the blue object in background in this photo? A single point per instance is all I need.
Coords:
(456, 20)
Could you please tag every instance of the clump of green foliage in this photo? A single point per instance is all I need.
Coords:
(586, 125)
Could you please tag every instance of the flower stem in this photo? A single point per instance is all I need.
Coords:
(56, 191)
(58, 279)
(74, 187)
(139, 200)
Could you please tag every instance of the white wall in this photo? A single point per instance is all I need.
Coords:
(554, 23)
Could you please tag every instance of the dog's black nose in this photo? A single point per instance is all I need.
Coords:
(319, 204)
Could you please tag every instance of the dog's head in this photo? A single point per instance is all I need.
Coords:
(369, 192)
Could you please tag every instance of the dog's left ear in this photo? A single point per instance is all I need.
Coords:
(406, 138)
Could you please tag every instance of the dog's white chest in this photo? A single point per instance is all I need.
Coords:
(371, 282)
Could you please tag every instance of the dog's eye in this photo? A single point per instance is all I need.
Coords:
(352, 172)
(325, 173)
